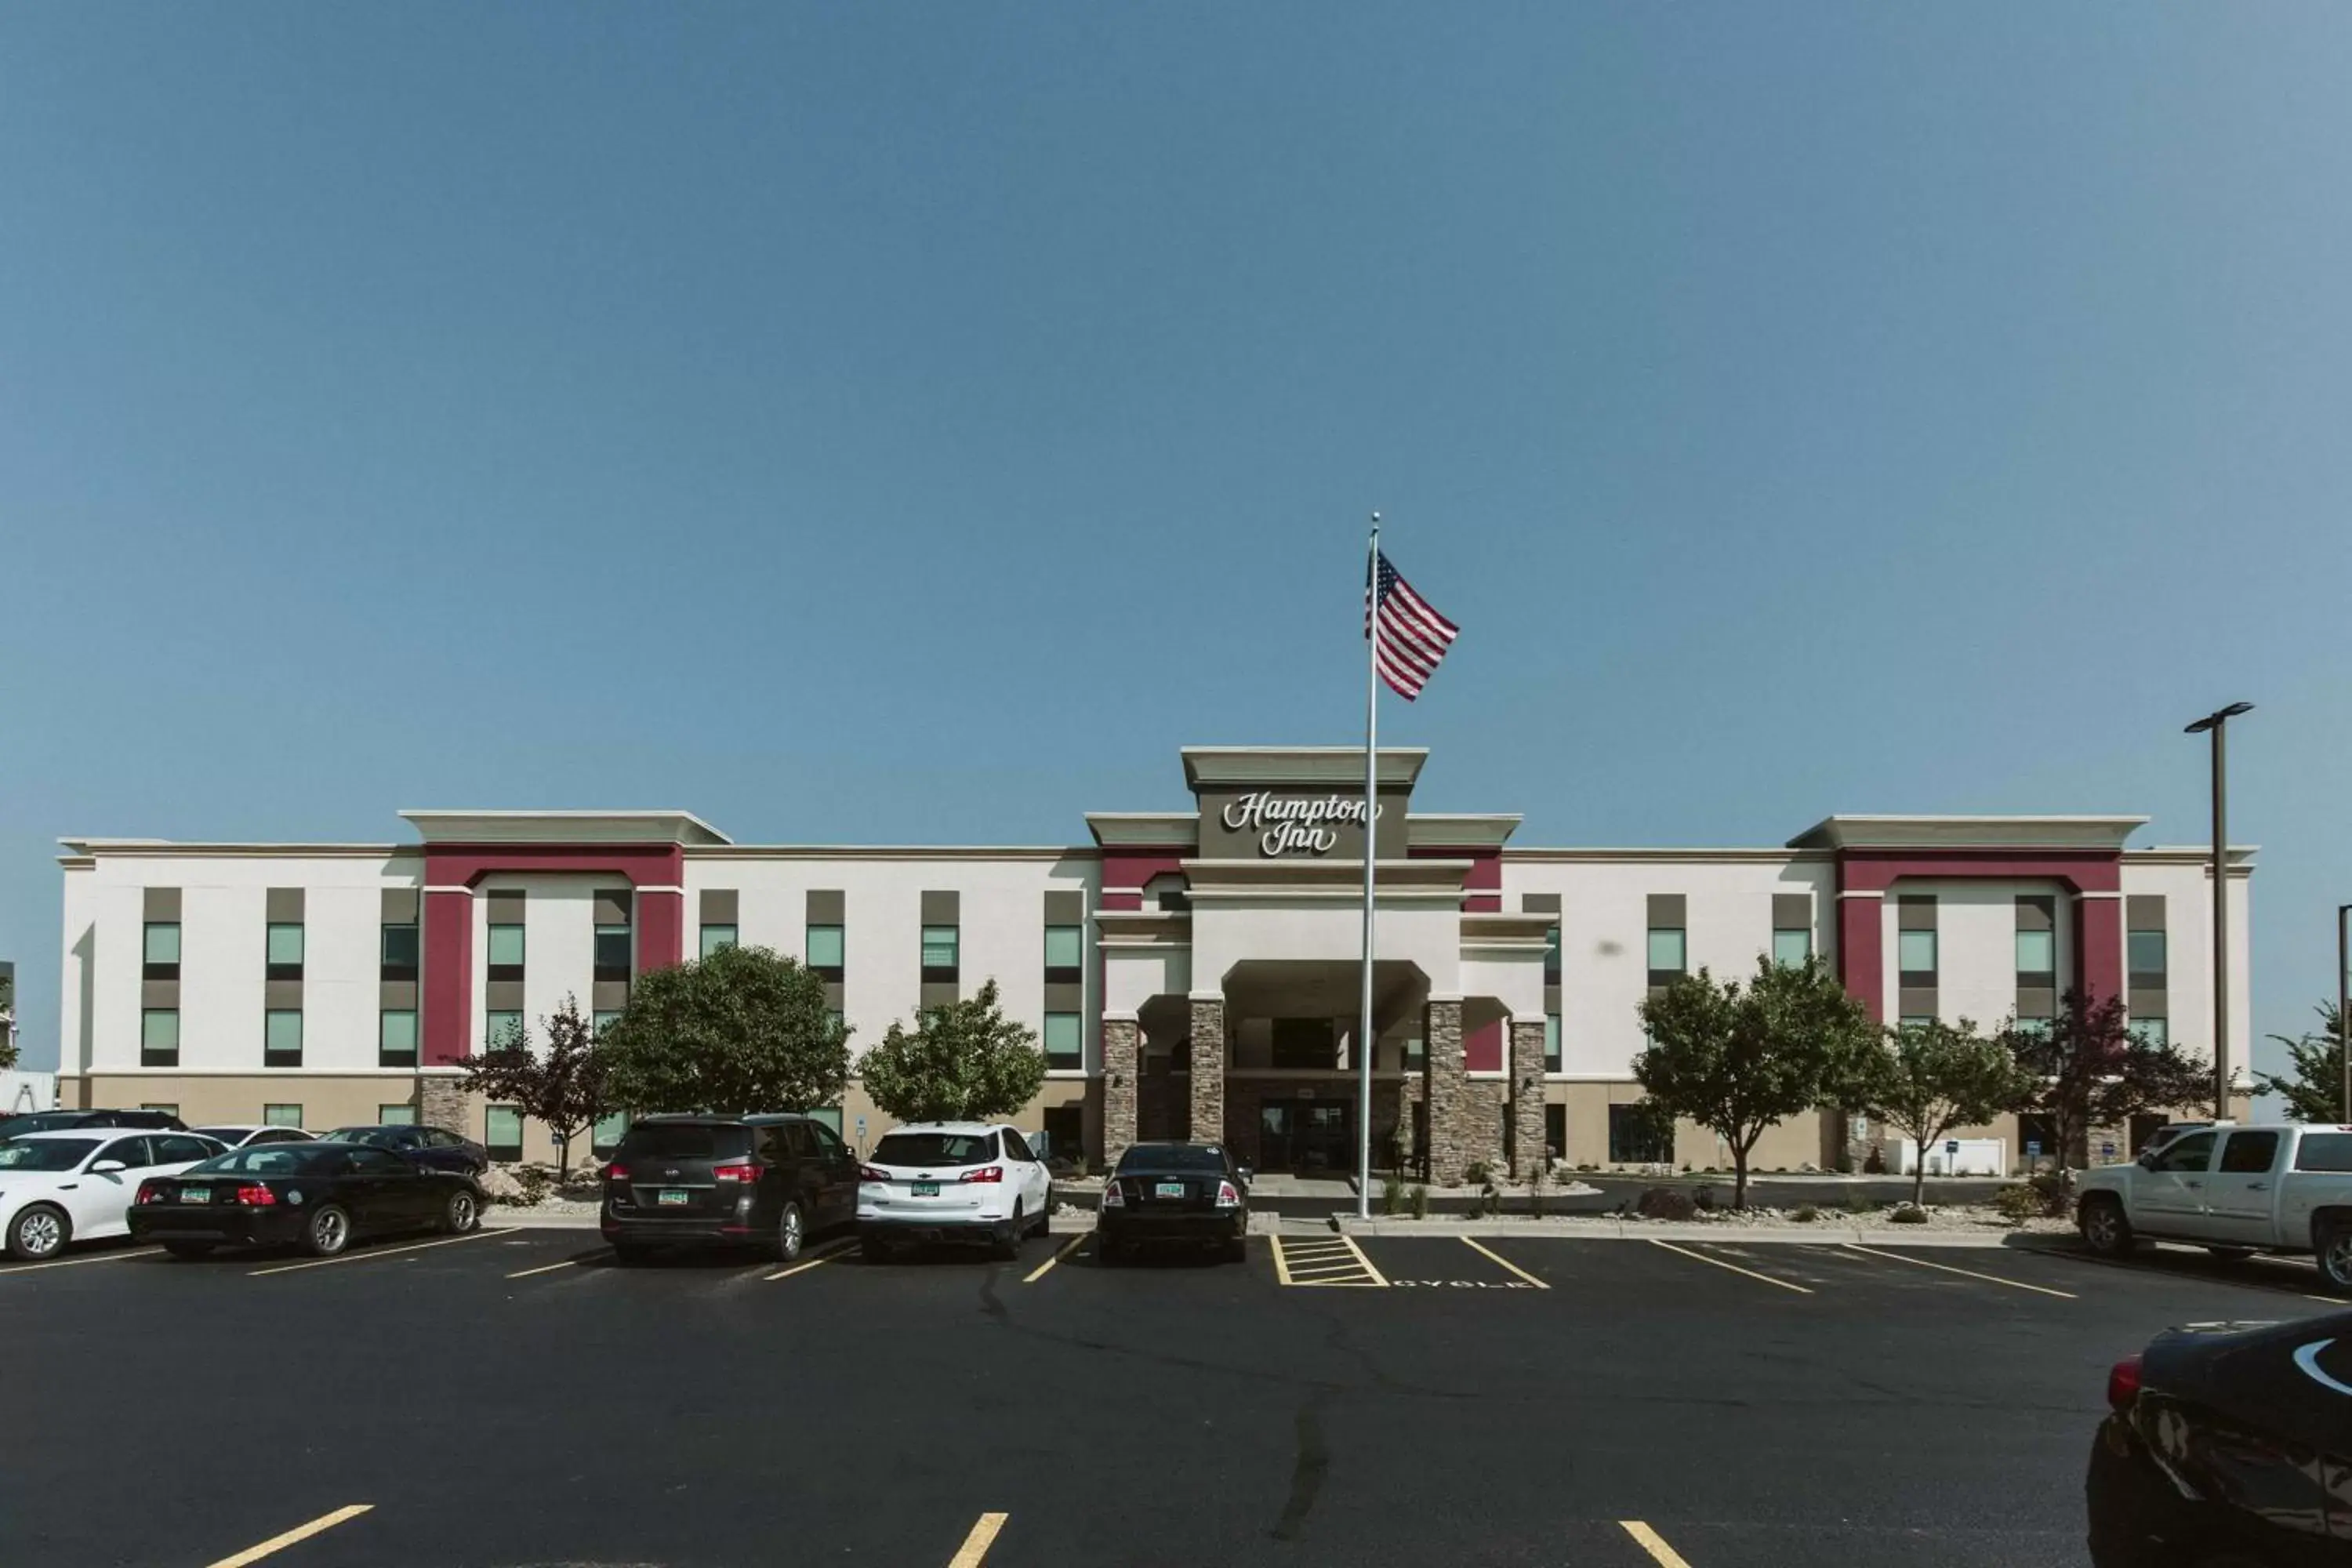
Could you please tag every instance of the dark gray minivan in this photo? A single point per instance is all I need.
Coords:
(763, 1182)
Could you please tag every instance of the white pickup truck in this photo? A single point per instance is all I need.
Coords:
(2236, 1190)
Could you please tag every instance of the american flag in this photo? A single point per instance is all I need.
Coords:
(1411, 637)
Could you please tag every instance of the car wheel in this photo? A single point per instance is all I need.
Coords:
(1008, 1240)
(189, 1249)
(461, 1213)
(791, 1232)
(2335, 1253)
(2105, 1231)
(329, 1232)
(2231, 1254)
(39, 1232)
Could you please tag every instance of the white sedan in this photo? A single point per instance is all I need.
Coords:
(79, 1186)
(948, 1181)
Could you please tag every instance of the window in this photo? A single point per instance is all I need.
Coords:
(502, 1132)
(600, 1022)
(179, 1149)
(159, 1038)
(824, 951)
(2037, 953)
(282, 1115)
(502, 1029)
(1916, 958)
(1921, 1020)
(1170, 893)
(132, 1152)
(397, 953)
(612, 952)
(606, 1135)
(366, 1161)
(829, 1118)
(2040, 1026)
(166, 1110)
(929, 1151)
(939, 944)
(1063, 948)
(2191, 1151)
(401, 1115)
(1668, 956)
(2153, 1033)
(1413, 1052)
(1305, 1044)
(834, 1019)
(2249, 1153)
(161, 951)
(285, 951)
(1065, 1135)
(2146, 957)
(716, 937)
(1552, 956)
(829, 1145)
(1062, 1045)
(2325, 1152)
(1551, 1042)
(506, 953)
(1555, 1130)
(395, 1037)
(1636, 1136)
(1791, 948)
(1017, 1147)
(281, 1038)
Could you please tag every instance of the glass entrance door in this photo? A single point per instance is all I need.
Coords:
(1309, 1137)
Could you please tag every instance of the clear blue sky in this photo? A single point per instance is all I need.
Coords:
(912, 422)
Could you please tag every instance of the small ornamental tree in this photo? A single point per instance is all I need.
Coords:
(1739, 1059)
(2085, 1068)
(2314, 1089)
(963, 1062)
(1924, 1079)
(563, 1088)
(744, 1030)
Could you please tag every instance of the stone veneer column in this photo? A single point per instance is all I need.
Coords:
(441, 1103)
(1122, 1060)
(1448, 1092)
(1526, 1096)
(1208, 1065)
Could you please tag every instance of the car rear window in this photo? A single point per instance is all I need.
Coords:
(1175, 1157)
(274, 1159)
(935, 1148)
(684, 1140)
(2325, 1152)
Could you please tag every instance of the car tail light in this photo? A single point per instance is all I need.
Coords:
(154, 1192)
(616, 1173)
(1112, 1198)
(735, 1171)
(256, 1197)
(2123, 1383)
(985, 1173)
(868, 1173)
(1228, 1196)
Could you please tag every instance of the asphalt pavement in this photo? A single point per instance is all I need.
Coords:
(517, 1398)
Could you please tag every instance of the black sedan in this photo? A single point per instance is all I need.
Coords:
(433, 1147)
(2228, 1443)
(1173, 1193)
(320, 1196)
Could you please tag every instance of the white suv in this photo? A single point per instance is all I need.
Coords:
(945, 1181)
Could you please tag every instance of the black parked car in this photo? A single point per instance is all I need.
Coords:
(66, 1121)
(2228, 1445)
(321, 1195)
(767, 1182)
(1173, 1191)
(432, 1147)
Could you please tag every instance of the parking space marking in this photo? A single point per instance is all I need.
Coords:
(1337, 1256)
(2156, 1270)
(1719, 1263)
(367, 1257)
(70, 1262)
(1499, 1258)
(976, 1544)
(1067, 1247)
(819, 1261)
(550, 1267)
(277, 1543)
(1650, 1540)
(1969, 1273)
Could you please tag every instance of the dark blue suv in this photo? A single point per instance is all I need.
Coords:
(434, 1148)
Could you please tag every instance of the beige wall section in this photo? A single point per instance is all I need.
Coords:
(328, 1099)
(1792, 1146)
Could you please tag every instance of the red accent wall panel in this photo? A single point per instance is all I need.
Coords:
(1862, 954)
(448, 980)
(2099, 947)
(1482, 885)
(1482, 1046)
(661, 930)
(1126, 871)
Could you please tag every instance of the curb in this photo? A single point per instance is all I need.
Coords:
(1645, 1230)
(501, 1217)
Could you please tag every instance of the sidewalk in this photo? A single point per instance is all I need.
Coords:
(1582, 1228)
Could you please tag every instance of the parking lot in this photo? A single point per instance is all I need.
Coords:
(517, 1398)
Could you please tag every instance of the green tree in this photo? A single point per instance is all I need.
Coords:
(2085, 1068)
(1924, 1079)
(564, 1086)
(744, 1029)
(2314, 1089)
(963, 1062)
(1737, 1060)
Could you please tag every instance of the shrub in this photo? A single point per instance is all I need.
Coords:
(1588, 1167)
(2057, 1193)
(1421, 1203)
(1664, 1203)
(1393, 1194)
(1805, 1214)
(1705, 1197)
(1535, 1191)
(2018, 1204)
(1908, 1214)
(1874, 1163)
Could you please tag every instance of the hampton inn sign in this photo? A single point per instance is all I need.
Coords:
(1290, 824)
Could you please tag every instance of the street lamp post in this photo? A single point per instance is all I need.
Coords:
(2216, 723)
(2344, 1024)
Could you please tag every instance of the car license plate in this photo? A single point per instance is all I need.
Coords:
(669, 1196)
(1170, 1190)
(926, 1189)
(195, 1194)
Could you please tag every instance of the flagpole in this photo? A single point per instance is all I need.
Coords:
(1367, 1040)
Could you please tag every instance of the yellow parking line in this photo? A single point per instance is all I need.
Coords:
(1046, 1267)
(1970, 1273)
(1719, 1263)
(1281, 1263)
(1378, 1277)
(976, 1544)
(1303, 1273)
(827, 1256)
(70, 1262)
(365, 1257)
(1506, 1263)
(1649, 1540)
(277, 1543)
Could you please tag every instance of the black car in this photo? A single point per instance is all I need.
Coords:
(2228, 1444)
(434, 1148)
(766, 1181)
(320, 1196)
(1174, 1193)
(66, 1121)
